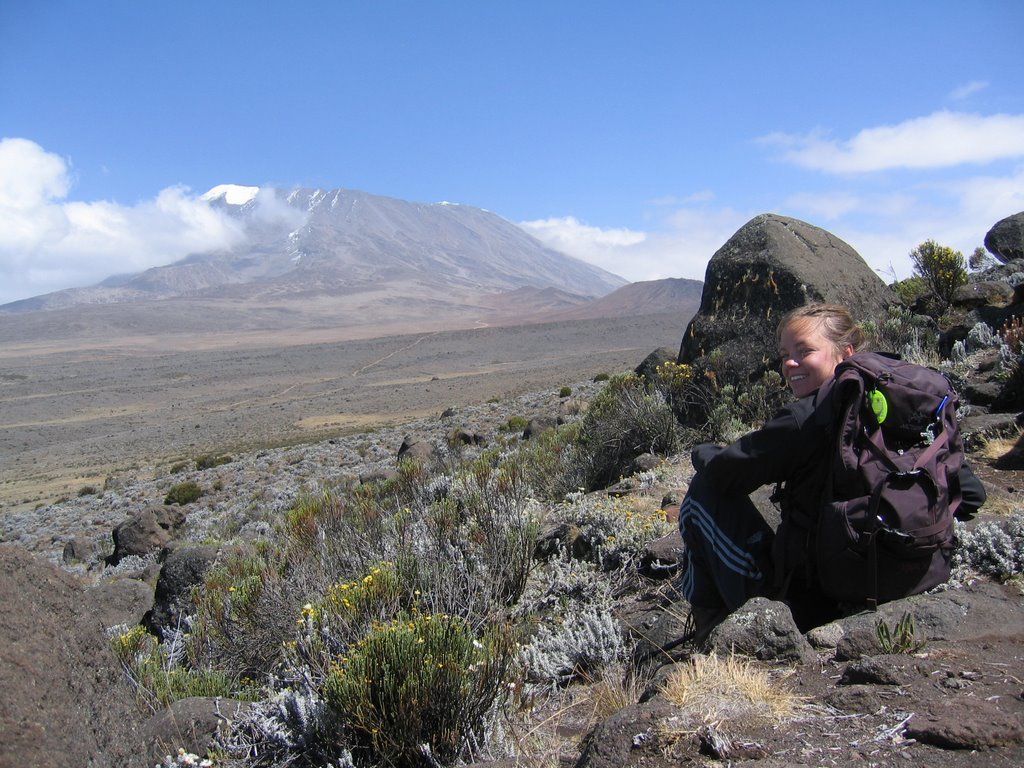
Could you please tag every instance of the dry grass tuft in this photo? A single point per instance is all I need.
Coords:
(1005, 447)
(612, 693)
(1003, 506)
(554, 725)
(715, 691)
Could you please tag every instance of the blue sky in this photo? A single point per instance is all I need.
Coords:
(638, 136)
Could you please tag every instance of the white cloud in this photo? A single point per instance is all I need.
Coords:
(968, 89)
(29, 176)
(571, 233)
(940, 140)
(883, 218)
(47, 243)
(884, 227)
(681, 247)
(839, 204)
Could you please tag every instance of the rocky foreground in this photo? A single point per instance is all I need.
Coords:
(936, 679)
(956, 699)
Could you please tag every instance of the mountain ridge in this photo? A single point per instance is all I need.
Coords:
(323, 242)
(340, 264)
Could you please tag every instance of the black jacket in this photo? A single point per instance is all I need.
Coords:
(792, 449)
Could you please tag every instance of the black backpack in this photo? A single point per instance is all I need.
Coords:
(885, 528)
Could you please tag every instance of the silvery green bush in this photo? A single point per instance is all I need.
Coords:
(981, 336)
(583, 641)
(991, 549)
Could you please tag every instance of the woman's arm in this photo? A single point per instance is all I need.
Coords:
(791, 439)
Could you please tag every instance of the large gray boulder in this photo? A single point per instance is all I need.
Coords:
(771, 265)
(1005, 240)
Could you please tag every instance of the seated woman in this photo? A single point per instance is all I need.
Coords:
(731, 553)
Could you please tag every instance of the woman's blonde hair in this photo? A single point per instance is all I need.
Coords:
(834, 321)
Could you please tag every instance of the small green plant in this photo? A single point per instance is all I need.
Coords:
(565, 391)
(86, 490)
(942, 268)
(178, 467)
(911, 289)
(515, 424)
(208, 461)
(160, 680)
(602, 377)
(420, 679)
(183, 493)
(900, 638)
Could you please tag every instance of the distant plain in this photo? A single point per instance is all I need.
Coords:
(75, 408)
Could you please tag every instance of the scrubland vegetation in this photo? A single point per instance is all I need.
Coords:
(426, 618)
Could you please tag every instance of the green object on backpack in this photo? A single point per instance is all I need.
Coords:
(879, 405)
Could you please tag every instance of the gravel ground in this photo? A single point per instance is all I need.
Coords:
(70, 419)
(256, 487)
(292, 418)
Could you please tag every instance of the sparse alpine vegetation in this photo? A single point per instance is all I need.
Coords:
(423, 618)
(410, 617)
(477, 602)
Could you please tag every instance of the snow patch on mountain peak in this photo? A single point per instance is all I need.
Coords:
(233, 194)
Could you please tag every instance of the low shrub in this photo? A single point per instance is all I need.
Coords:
(579, 642)
(943, 268)
(420, 680)
(515, 424)
(159, 677)
(611, 532)
(992, 549)
(980, 259)
(624, 421)
(208, 461)
(902, 332)
(183, 493)
(548, 461)
(565, 392)
(245, 611)
(911, 290)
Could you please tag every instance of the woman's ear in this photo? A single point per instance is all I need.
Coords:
(848, 350)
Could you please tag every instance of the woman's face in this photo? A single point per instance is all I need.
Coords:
(808, 357)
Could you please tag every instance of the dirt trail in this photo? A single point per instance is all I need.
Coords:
(390, 355)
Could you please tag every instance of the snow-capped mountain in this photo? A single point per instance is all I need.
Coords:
(324, 244)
